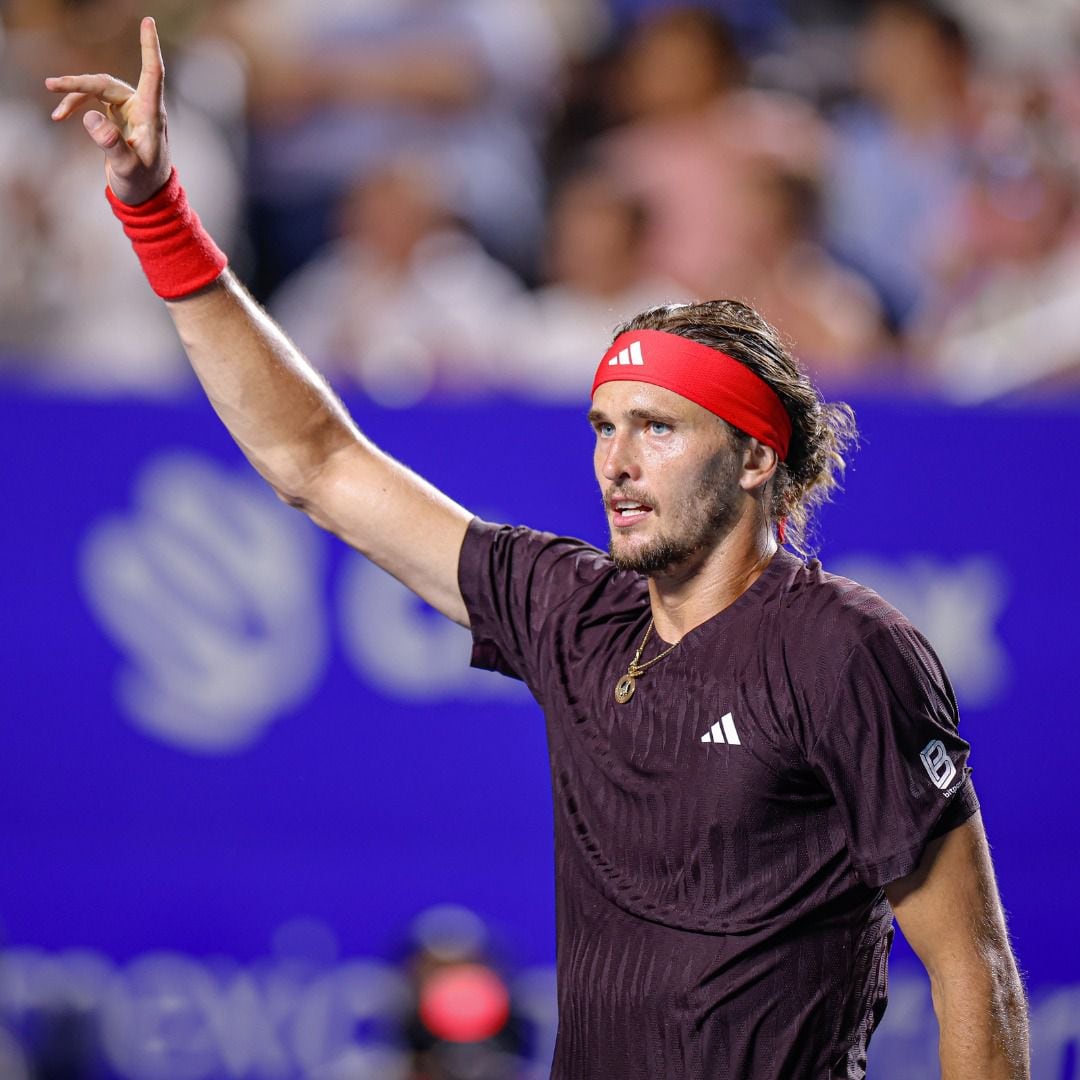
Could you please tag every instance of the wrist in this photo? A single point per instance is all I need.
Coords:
(177, 254)
(133, 195)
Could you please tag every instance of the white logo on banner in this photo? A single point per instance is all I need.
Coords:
(956, 605)
(168, 1016)
(404, 648)
(211, 588)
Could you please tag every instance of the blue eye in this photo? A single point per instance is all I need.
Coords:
(658, 427)
(605, 430)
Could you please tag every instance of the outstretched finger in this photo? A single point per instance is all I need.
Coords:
(68, 105)
(105, 88)
(152, 77)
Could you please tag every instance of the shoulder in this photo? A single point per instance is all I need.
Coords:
(830, 619)
(554, 567)
(525, 542)
(853, 663)
(523, 589)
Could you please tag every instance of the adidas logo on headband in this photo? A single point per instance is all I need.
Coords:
(632, 355)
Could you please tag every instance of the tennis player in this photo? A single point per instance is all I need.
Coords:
(755, 764)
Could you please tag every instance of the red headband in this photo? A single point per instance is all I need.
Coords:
(704, 375)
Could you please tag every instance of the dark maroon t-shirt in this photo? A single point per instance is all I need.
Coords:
(721, 840)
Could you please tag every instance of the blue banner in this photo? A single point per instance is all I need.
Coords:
(226, 734)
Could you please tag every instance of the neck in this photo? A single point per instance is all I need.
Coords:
(693, 592)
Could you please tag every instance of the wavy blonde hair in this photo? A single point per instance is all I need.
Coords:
(822, 433)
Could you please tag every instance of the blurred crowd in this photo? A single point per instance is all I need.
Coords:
(465, 196)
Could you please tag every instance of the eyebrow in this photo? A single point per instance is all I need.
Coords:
(597, 416)
(652, 414)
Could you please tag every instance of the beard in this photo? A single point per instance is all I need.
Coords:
(708, 516)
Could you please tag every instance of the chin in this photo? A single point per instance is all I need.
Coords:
(622, 553)
(647, 556)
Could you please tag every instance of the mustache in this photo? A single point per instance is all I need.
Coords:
(638, 495)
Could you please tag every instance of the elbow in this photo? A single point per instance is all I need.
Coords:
(289, 498)
(292, 485)
(301, 492)
(305, 475)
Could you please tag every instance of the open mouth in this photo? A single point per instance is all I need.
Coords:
(626, 512)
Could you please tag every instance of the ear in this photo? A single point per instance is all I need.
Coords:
(759, 466)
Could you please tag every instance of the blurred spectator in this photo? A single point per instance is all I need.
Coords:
(401, 129)
(831, 315)
(68, 278)
(403, 301)
(340, 89)
(899, 158)
(1006, 317)
(596, 278)
(463, 1025)
(693, 131)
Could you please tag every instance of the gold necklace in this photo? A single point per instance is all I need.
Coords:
(625, 687)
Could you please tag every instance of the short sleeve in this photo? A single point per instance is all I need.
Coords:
(512, 580)
(890, 751)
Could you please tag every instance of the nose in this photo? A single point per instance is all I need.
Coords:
(617, 459)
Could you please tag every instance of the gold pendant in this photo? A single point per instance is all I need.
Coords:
(624, 688)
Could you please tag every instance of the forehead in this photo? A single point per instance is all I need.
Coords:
(622, 398)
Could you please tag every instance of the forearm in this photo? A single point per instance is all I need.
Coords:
(982, 1015)
(276, 406)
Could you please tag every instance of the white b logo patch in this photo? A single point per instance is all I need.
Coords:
(936, 762)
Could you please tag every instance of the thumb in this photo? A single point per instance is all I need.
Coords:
(107, 135)
(131, 181)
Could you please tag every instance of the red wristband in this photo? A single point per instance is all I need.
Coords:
(178, 255)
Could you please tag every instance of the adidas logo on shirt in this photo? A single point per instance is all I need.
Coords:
(723, 731)
(631, 355)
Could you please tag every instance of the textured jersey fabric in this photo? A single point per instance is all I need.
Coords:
(720, 911)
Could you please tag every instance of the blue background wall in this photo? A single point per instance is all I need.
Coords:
(218, 721)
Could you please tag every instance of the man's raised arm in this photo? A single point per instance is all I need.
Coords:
(280, 411)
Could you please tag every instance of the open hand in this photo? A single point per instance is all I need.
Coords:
(132, 129)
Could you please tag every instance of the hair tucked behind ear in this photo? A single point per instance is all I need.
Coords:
(822, 432)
